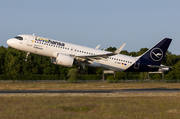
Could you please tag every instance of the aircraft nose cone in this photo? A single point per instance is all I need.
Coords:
(10, 42)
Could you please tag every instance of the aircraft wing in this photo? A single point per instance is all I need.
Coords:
(91, 58)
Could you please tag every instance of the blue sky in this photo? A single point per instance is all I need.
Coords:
(138, 23)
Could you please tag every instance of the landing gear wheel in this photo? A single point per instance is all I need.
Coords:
(79, 71)
(83, 71)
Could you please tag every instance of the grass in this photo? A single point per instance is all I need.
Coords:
(89, 107)
(56, 86)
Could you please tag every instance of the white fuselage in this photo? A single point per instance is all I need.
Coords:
(39, 45)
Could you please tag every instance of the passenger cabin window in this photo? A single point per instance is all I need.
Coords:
(19, 37)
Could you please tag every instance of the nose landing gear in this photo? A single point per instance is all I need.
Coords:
(27, 55)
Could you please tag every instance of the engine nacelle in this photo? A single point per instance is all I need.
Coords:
(62, 59)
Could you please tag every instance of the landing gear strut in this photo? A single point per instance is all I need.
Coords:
(81, 71)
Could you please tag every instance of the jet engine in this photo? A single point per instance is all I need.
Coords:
(62, 59)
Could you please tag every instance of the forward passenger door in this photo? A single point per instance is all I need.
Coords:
(30, 41)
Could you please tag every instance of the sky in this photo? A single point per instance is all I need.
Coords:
(109, 23)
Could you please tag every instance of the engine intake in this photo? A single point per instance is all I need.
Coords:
(64, 60)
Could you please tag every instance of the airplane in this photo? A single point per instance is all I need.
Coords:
(67, 54)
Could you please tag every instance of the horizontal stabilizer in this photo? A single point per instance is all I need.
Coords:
(155, 66)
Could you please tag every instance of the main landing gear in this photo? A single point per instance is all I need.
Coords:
(81, 71)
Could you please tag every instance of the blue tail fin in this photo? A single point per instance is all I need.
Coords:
(156, 53)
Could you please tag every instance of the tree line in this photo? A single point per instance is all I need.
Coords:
(13, 67)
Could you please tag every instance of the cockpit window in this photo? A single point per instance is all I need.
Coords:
(19, 37)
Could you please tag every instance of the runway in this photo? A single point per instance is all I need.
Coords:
(95, 91)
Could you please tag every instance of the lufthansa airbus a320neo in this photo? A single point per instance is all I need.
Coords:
(67, 54)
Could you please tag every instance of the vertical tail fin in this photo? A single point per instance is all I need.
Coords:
(156, 53)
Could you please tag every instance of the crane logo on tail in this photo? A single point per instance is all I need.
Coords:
(156, 54)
